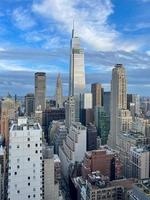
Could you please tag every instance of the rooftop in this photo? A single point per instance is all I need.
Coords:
(144, 186)
(133, 135)
(141, 149)
(78, 125)
(24, 123)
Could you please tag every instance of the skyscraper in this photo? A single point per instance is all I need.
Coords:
(29, 104)
(40, 91)
(102, 122)
(25, 161)
(77, 69)
(70, 111)
(59, 96)
(118, 100)
(106, 102)
(77, 72)
(133, 99)
(97, 93)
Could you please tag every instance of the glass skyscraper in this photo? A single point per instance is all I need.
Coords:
(77, 69)
(77, 72)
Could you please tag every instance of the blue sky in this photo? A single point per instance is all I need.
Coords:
(35, 36)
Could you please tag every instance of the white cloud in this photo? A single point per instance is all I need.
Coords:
(23, 19)
(91, 21)
(15, 66)
(145, 1)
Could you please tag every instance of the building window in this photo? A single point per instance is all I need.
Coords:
(28, 196)
(28, 139)
(15, 173)
(28, 145)
(28, 177)
(18, 166)
(18, 191)
(36, 145)
(17, 146)
(28, 184)
(36, 151)
(34, 195)
(28, 159)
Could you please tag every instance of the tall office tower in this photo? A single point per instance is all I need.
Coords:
(73, 148)
(86, 111)
(106, 102)
(102, 122)
(49, 115)
(77, 72)
(59, 95)
(40, 91)
(29, 104)
(86, 101)
(25, 161)
(3, 173)
(87, 116)
(77, 69)
(51, 169)
(91, 143)
(118, 101)
(97, 93)
(70, 111)
(10, 106)
(133, 99)
(4, 126)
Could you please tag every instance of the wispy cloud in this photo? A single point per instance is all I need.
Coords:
(137, 26)
(91, 19)
(145, 1)
(23, 19)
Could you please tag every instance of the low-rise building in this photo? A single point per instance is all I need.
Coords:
(98, 186)
(104, 160)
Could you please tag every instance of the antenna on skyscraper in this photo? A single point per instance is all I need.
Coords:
(73, 29)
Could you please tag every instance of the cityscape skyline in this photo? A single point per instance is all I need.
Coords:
(25, 53)
(74, 116)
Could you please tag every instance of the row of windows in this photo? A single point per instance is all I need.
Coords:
(18, 146)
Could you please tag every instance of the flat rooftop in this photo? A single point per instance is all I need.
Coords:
(22, 127)
(144, 186)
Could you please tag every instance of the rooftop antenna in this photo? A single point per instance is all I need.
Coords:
(73, 29)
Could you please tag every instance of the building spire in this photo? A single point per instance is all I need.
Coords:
(73, 29)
